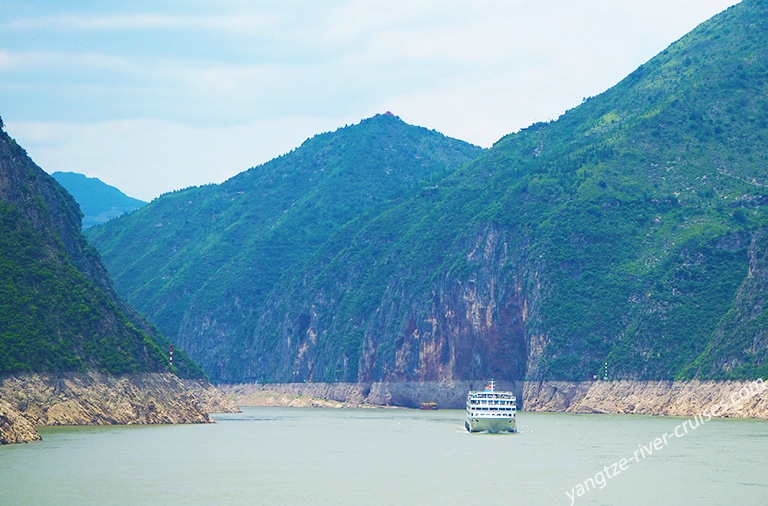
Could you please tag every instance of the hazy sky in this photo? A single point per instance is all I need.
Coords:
(156, 96)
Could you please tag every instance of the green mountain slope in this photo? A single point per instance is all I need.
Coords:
(98, 201)
(58, 310)
(624, 236)
(624, 240)
(200, 262)
(619, 235)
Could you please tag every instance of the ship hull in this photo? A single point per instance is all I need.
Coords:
(492, 425)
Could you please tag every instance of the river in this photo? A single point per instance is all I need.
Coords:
(294, 456)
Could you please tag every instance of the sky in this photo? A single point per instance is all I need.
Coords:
(153, 97)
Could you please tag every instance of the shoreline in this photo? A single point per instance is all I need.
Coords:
(37, 400)
(666, 398)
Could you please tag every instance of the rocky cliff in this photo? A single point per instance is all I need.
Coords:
(31, 400)
(370, 317)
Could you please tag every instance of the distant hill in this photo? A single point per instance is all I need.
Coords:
(626, 240)
(201, 262)
(98, 201)
(58, 309)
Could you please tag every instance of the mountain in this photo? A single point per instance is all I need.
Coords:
(58, 309)
(201, 262)
(625, 240)
(98, 201)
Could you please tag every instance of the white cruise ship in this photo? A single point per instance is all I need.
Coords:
(491, 411)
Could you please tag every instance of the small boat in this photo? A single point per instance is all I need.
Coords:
(491, 411)
(428, 405)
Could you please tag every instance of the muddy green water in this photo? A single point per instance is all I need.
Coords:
(281, 456)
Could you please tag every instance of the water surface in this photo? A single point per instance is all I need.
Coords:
(284, 456)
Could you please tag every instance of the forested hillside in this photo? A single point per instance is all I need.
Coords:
(627, 239)
(201, 262)
(58, 310)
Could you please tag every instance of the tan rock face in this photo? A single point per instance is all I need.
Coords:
(741, 399)
(97, 399)
(91, 398)
(14, 428)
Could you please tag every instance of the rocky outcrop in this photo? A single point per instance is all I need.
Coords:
(92, 398)
(14, 428)
(742, 399)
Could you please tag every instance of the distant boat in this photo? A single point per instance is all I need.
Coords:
(491, 411)
(428, 405)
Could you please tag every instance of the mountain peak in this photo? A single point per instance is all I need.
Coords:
(387, 114)
(252, 232)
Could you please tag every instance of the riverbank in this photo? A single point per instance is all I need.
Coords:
(409, 394)
(734, 399)
(738, 399)
(32, 400)
(28, 401)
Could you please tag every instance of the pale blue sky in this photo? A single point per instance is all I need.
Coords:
(156, 96)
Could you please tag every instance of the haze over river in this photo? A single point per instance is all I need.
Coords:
(293, 456)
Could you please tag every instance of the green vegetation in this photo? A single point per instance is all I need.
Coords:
(58, 311)
(201, 262)
(630, 231)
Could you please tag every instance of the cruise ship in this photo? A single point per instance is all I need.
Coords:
(491, 411)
